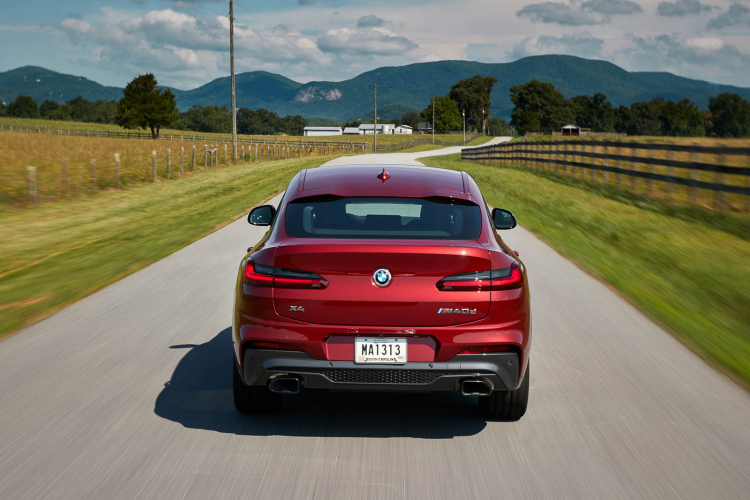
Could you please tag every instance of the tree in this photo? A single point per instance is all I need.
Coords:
(293, 125)
(410, 118)
(539, 107)
(145, 106)
(622, 119)
(595, 112)
(682, 119)
(644, 117)
(497, 127)
(48, 108)
(730, 115)
(447, 115)
(24, 107)
(209, 119)
(258, 122)
(3, 108)
(472, 96)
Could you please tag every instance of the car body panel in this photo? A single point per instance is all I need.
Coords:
(353, 306)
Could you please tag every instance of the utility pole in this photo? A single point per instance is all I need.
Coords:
(375, 129)
(231, 64)
(463, 114)
(483, 122)
(433, 120)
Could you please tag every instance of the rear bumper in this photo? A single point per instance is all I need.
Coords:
(499, 369)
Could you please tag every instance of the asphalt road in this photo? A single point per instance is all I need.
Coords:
(127, 394)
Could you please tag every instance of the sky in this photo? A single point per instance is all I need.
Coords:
(184, 43)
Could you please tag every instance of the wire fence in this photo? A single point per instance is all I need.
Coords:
(709, 176)
(87, 171)
(341, 147)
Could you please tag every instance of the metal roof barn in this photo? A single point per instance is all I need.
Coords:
(322, 131)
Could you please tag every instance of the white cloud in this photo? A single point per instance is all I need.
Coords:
(375, 41)
(701, 57)
(588, 13)
(682, 8)
(737, 15)
(580, 44)
(186, 48)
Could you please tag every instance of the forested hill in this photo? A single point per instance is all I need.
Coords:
(399, 88)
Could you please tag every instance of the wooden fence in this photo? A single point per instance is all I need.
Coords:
(117, 170)
(721, 170)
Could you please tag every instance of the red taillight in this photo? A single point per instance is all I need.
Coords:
(498, 279)
(256, 277)
(275, 277)
(274, 345)
(486, 349)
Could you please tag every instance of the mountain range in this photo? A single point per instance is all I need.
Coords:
(399, 88)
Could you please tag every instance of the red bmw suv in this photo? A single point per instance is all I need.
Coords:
(382, 279)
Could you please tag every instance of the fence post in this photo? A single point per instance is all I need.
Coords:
(117, 170)
(226, 162)
(574, 169)
(32, 185)
(592, 162)
(695, 157)
(182, 160)
(651, 183)
(153, 165)
(65, 183)
(93, 173)
(205, 156)
(192, 161)
(557, 157)
(719, 199)
(243, 154)
(256, 152)
(605, 164)
(634, 168)
(169, 163)
(618, 164)
(670, 173)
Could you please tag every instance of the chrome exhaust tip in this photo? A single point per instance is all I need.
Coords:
(475, 387)
(284, 385)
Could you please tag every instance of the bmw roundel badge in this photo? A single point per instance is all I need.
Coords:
(382, 277)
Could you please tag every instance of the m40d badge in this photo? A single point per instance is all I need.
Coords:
(448, 310)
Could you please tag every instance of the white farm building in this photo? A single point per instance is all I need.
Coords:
(352, 131)
(383, 128)
(402, 129)
(322, 131)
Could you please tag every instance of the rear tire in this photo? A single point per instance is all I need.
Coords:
(510, 405)
(252, 399)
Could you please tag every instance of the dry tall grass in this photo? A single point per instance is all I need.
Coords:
(54, 125)
(672, 192)
(19, 150)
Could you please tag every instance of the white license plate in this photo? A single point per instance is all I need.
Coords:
(379, 350)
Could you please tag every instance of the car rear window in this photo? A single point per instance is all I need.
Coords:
(434, 218)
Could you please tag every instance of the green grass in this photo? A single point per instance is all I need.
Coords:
(686, 268)
(54, 254)
(101, 127)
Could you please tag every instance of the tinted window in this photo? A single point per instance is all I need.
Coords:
(386, 218)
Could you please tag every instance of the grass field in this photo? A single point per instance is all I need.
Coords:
(680, 194)
(701, 141)
(46, 152)
(52, 255)
(362, 139)
(686, 268)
